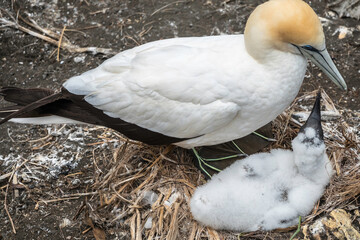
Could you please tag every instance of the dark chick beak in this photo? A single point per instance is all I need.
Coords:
(314, 120)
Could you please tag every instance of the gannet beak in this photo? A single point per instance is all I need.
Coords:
(314, 119)
(323, 60)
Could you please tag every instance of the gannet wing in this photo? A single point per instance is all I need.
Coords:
(181, 96)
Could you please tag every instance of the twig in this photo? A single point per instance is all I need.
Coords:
(64, 44)
(6, 194)
(121, 197)
(138, 225)
(57, 199)
(131, 38)
(40, 139)
(163, 7)
(86, 230)
(7, 211)
(60, 40)
(33, 24)
(40, 147)
(73, 174)
(15, 182)
(79, 194)
(99, 11)
(4, 176)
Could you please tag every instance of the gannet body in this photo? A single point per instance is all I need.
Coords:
(268, 190)
(192, 91)
(208, 105)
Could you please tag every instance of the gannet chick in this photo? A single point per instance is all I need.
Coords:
(194, 91)
(268, 190)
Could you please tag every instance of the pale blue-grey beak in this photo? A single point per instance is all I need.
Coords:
(322, 59)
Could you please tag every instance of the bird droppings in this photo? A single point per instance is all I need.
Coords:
(174, 196)
(65, 223)
(55, 159)
(80, 59)
(317, 228)
(148, 223)
(150, 197)
(100, 170)
(344, 32)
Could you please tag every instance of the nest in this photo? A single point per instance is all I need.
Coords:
(145, 191)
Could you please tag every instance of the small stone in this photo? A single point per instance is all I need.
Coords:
(80, 59)
(65, 222)
(148, 223)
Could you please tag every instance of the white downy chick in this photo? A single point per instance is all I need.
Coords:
(268, 190)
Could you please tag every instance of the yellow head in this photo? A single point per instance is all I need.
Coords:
(280, 23)
(289, 26)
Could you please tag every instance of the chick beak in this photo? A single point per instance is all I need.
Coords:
(314, 120)
(322, 59)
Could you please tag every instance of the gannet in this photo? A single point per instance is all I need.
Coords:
(268, 190)
(192, 91)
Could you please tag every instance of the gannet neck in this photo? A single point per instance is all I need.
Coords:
(281, 24)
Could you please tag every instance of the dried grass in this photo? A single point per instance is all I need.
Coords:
(123, 178)
(49, 36)
(115, 201)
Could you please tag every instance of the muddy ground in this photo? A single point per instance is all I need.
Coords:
(27, 61)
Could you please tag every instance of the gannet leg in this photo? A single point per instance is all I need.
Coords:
(297, 230)
(263, 137)
(240, 150)
(204, 161)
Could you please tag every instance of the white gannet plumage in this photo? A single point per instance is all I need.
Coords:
(193, 100)
(198, 91)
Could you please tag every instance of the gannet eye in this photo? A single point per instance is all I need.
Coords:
(310, 48)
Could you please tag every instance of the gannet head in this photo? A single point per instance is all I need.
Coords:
(289, 26)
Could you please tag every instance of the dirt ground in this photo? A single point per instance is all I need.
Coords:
(27, 61)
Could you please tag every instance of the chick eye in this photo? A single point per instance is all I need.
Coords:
(310, 48)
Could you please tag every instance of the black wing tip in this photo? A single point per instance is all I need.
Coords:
(3, 90)
(32, 106)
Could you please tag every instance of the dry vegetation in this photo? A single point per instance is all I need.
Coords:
(144, 191)
(170, 175)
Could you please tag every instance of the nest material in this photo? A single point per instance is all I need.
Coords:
(134, 171)
(143, 192)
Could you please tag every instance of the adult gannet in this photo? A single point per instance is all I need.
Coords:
(268, 190)
(193, 91)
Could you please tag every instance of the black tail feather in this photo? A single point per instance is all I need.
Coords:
(5, 111)
(40, 102)
(24, 97)
(31, 106)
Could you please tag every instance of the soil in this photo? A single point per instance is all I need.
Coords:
(27, 61)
